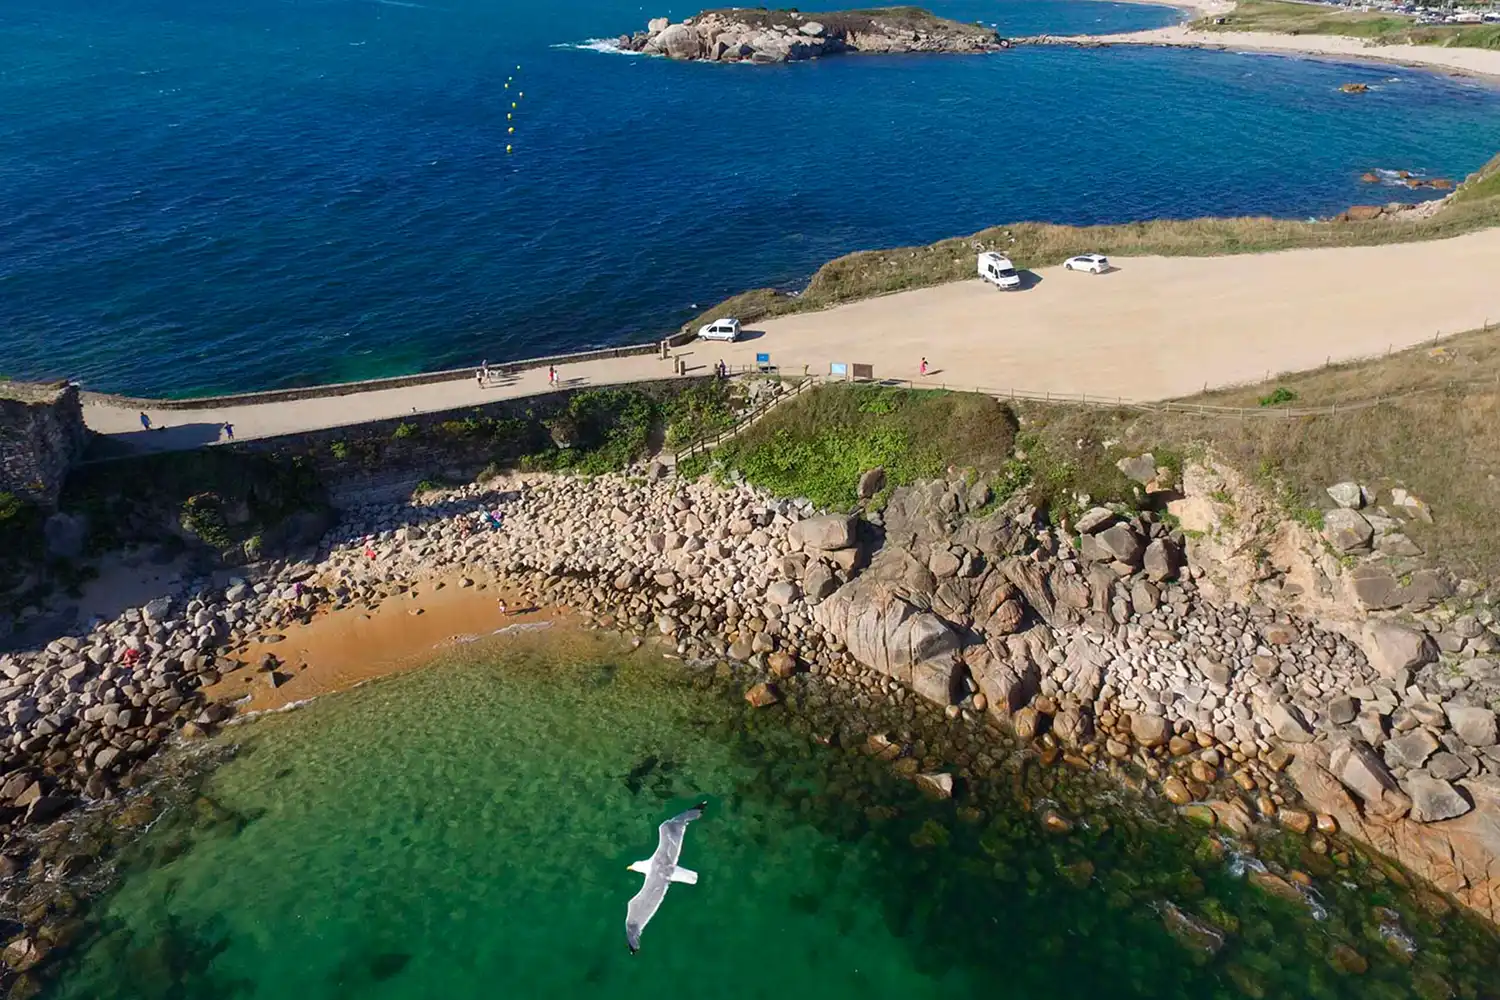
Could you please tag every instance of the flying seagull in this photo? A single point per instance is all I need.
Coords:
(660, 870)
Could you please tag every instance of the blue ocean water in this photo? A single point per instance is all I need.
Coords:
(204, 195)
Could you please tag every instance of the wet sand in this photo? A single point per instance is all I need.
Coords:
(341, 649)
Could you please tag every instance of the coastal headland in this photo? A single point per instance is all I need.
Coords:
(758, 35)
(1272, 657)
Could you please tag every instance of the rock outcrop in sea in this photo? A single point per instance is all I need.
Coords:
(778, 36)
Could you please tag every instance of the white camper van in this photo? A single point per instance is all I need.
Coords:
(997, 269)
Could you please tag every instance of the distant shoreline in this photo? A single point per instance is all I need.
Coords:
(1454, 60)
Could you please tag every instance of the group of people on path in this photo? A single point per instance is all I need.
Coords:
(225, 429)
(483, 376)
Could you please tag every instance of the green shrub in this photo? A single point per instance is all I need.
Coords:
(819, 444)
(340, 450)
(1281, 394)
(202, 516)
(405, 430)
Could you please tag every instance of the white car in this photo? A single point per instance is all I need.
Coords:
(1094, 263)
(720, 329)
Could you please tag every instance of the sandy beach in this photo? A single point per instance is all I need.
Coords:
(1463, 61)
(343, 648)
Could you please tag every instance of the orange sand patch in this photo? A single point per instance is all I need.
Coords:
(343, 648)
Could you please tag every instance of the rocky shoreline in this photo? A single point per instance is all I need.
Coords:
(1122, 642)
(780, 36)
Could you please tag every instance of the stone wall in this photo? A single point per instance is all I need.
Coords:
(335, 389)
(41, 436)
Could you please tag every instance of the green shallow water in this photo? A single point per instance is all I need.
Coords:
(463, 831)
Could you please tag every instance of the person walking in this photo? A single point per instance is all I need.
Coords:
(229, 432)
(552, 375)
(923, 368)
(145, 420)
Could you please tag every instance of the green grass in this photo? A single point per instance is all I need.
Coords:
(818, 445)
(1388, 29)
(1474, 206)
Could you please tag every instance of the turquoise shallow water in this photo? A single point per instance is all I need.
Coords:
(212, 195)
(463, 832)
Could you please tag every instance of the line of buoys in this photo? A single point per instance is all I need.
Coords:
(510, 115)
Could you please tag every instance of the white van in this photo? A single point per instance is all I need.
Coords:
(997, 269)
(726, 329)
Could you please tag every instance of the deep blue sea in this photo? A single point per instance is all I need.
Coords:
(202, 195)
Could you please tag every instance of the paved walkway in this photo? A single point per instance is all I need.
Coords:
(1156, 328)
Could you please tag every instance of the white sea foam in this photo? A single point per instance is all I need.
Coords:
(609, 46)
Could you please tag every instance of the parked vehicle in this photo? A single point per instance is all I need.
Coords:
(1094, 263)
(997, 269)
(720, 329)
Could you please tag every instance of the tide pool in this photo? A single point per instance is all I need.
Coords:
(237, 194)
(463, 832)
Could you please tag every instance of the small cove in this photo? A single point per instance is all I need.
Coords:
(463, 831)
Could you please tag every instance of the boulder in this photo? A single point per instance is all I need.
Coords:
(1213, 671)
(1007, 682)
(782, 594)
(1161, 560)
(657, 25)
(1342, 710)
(1149, 729)
(1433, 799)
(1447, 766)
(1475, 726)
(1349, 495)
(943, 563)
(1095, 519)
(1347, 530)
(818, 582)
(1122, 544)
(1410, 750)
(936, 784)
(677, 41)
(885, 632)
(939, 680)
(1362, 213)
(1395, 650)
(781, 664)
(826, 532)
(762, 695)
(1141, 468)
(812, 29)
(1359, 768)
(1288, 724)
(871, 483)
(1375, 588)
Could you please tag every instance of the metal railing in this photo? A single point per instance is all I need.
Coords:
(707, 444)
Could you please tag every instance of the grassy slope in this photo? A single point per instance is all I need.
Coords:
(1442, 442)
(1387, 29)
(818, 444)
(1476, 205)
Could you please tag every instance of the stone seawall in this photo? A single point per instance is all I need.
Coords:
(335, 389)
(41, 436)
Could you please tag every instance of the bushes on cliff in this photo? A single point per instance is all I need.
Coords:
(221, 496)
(818, 444)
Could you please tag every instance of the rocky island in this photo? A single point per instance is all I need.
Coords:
(759, 35)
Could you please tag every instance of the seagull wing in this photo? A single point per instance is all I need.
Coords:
(669, 836)
(643, 906)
